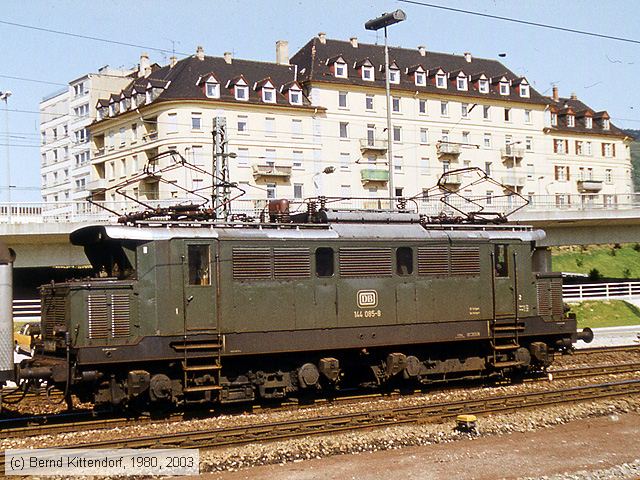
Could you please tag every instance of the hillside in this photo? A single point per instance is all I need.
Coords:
(611, 262)
(635, 159)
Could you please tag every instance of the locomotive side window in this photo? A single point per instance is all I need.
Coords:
(404, 261)
(501, 262)
(324, 262)
(198, 258)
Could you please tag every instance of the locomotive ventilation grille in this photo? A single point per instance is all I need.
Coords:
(109, 315)
(365, 262)
(440, 260)
(550, 297)
(53, 313)
(271, 263)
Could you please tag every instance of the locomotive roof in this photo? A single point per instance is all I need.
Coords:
(343, 230)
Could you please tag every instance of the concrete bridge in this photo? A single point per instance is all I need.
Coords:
(39, 232)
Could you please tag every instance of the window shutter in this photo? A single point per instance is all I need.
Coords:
(566, 147)
(602, 149)
(613, 149)
(556, 172)
(568, 176)
(555, 147)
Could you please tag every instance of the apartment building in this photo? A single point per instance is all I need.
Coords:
(64, 118)
(326, 107)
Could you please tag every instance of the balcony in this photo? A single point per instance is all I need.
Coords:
(271, 171)
(452, 180)
(98, 153)
(512, 152)
(589, 186)
(97, 185)
(513, 181)
(150, 137)
(372, 145)
(372, 175)
(449, 150)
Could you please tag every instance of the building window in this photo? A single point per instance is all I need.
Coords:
(342, 99)
(420, 79)
(394, 75)
(297, 159)
(198, 155)
(398, 162)
(399, 191)
(340, 69)
(588, 122)
(461, 83)
(486, 112)
(487, 140)
(296, 127)
(344, 162)
(504, 88)
(173, 123)
(242, 123)
(243, 157)
(297, 191)
(608, 178)
(212, 90)
(554, 119)
(560, 146)
(371, 135)
(587, 148)
(507, 114)
(295, 97)
(424, 136)
(344, 130)
(444, 109)
(579, 150)
(395, 104)
(528, 144)
(196, 121)
(464, 107)
(271, 190)
(368, 102)
(571, 121)
(524, 91)
(465, 137)
(483, 86)
(561, 173)
(424, 166)
(487, 168)
(606, 124)
(422, 106)
(367, 73)
(241, 92)
(270, 126)
(269, 95)
(608, 150)
(441, 80)
(397, 134)
(527, 116)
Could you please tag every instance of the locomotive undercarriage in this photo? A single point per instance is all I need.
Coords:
(162, 384)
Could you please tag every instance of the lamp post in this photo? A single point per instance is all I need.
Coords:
(5, 96)
(384, 21)
(327, 171)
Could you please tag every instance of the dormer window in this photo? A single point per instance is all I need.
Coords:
(524, 91)
(340, 69)
(441, 80)
(420, 78)
(394, 75)
(571, 121)
(588, 122)
(123, 105)
(269, 95)
(212, 89)
(368, 73)
(504, 88)
(133, 101)
(554, 119)
(461, 83)
(295, 97)
(605, 124)
(147, 96)
(241, 92)
(483, 85)
(112, 109)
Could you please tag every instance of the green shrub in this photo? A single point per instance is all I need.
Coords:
(594, 274)
(626, 273)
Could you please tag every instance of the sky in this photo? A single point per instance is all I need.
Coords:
(602, 72)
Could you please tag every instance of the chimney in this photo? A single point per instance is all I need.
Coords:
(467, 57)
(200, 53)
(173, 60)
(555, 93)
(282, 52)
(423, 50)
(145, 66)
(574, 96)
(228, 57)
(354, 42)
(323, 37)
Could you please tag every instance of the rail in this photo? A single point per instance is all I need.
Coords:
(600, 291)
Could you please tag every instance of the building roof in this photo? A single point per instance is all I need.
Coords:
(313, 66)
(573, 106)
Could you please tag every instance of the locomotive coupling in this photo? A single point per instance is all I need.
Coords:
(586, 335)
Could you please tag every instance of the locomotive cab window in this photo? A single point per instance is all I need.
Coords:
(404, 261)
(198, 258)
(324, 262)
(501, 263)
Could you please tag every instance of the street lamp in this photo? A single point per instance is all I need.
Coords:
(5, 96)
(384, 21)
(327, 171)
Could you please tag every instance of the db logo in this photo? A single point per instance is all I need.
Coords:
(367, 298)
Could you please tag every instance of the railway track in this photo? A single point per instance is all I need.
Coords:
(217, 437)
(51, 425)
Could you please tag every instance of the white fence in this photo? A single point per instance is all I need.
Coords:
(600, 291)
(26, 310)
